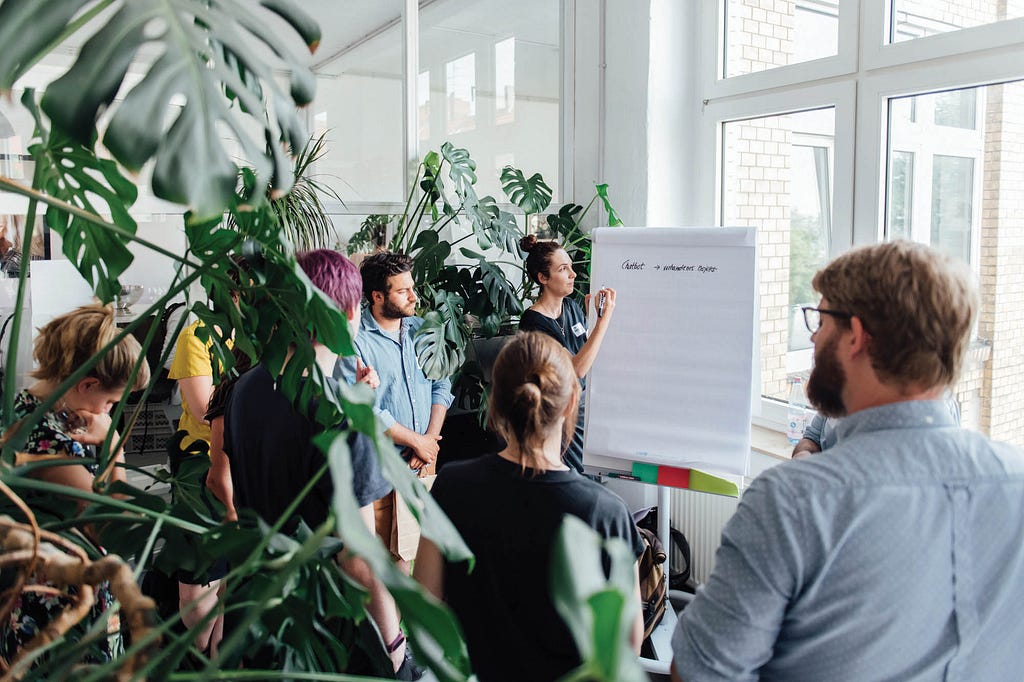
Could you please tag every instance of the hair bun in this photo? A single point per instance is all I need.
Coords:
(528, 242)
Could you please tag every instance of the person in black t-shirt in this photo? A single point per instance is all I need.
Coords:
(509, 507)
(268, 442)
(561, 318)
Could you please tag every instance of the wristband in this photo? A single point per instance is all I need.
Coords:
(398, 641)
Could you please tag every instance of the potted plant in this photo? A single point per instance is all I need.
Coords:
(83, 173)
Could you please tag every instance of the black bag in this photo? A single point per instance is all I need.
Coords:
(680, 565)
(653, 588)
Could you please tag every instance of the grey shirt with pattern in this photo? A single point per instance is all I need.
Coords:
(899, 557)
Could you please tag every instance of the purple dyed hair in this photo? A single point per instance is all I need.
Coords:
(333, 274)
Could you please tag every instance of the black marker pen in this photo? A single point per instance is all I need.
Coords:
(600, 303)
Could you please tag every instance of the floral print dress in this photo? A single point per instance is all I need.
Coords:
(32, 611)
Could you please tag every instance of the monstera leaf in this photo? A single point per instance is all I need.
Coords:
(429, 255)
(209, 53)
(564, 222)
(613, 217)
(532, 195)
(598, 611)
(500, 292)
(491, 225)
(71, 172)
(462, 169)
(441, 341)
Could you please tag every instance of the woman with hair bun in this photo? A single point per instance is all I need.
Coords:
(556, 314)
(509, 507)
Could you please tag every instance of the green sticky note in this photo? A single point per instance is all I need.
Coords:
(648, 473)
(711, 484)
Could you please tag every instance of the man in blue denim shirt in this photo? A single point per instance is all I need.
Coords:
(410, 406)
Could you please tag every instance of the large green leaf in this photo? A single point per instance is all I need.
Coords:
(463, 169)
(205, 50)
(491, 225)
(532, 195)
(73, 173)
(613, 217)
(429, 254)
(564, 222)
(430, 625)
(26, 33)
(599, 612)
(441, 341)
(500, 293)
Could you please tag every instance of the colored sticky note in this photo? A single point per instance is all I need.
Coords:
(674, 477)
(648, 473)
(712, 484)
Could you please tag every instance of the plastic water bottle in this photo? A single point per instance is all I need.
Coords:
(796, 411)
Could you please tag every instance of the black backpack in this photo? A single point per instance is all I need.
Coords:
(162, 385)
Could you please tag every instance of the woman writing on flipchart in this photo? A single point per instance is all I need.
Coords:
(556, 314)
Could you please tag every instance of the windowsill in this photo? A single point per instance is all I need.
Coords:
(770, 442)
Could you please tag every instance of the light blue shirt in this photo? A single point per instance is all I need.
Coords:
(899, 557)
(405, 395)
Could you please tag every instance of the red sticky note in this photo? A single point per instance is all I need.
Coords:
(673, 477)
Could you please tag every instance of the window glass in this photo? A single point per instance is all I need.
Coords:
(762, 36)
(495, 82)
(359, 104)
(911, 19)
(952, 203)
(777, 177)
(956, 184)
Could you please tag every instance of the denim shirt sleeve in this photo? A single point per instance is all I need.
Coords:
(441, 393)
(815, 429)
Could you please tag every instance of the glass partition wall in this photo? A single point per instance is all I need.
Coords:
(401, 78)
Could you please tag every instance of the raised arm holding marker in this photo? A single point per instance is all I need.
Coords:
(600, 302)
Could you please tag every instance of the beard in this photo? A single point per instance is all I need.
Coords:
(825, 386)
(391, 311)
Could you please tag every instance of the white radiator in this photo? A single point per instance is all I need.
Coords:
(701, 517)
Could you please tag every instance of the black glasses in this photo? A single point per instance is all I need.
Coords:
(812, 317)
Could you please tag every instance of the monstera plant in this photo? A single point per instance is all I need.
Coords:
(473, 291)
(200, 68)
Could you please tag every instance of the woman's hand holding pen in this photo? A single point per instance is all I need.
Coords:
(604, 302)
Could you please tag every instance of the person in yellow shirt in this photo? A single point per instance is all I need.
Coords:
(192, 367)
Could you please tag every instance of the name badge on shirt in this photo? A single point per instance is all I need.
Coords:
(579, 330)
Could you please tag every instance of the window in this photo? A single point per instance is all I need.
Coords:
(505, 81)
(927, 143)
(423, 105)
(460, 88)
(762, 36)
(500, 90)
(482, 74)
(964, 198)
(359, 105)
(778, 178)
(911, 19)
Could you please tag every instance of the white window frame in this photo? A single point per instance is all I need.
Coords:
(858, 82)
